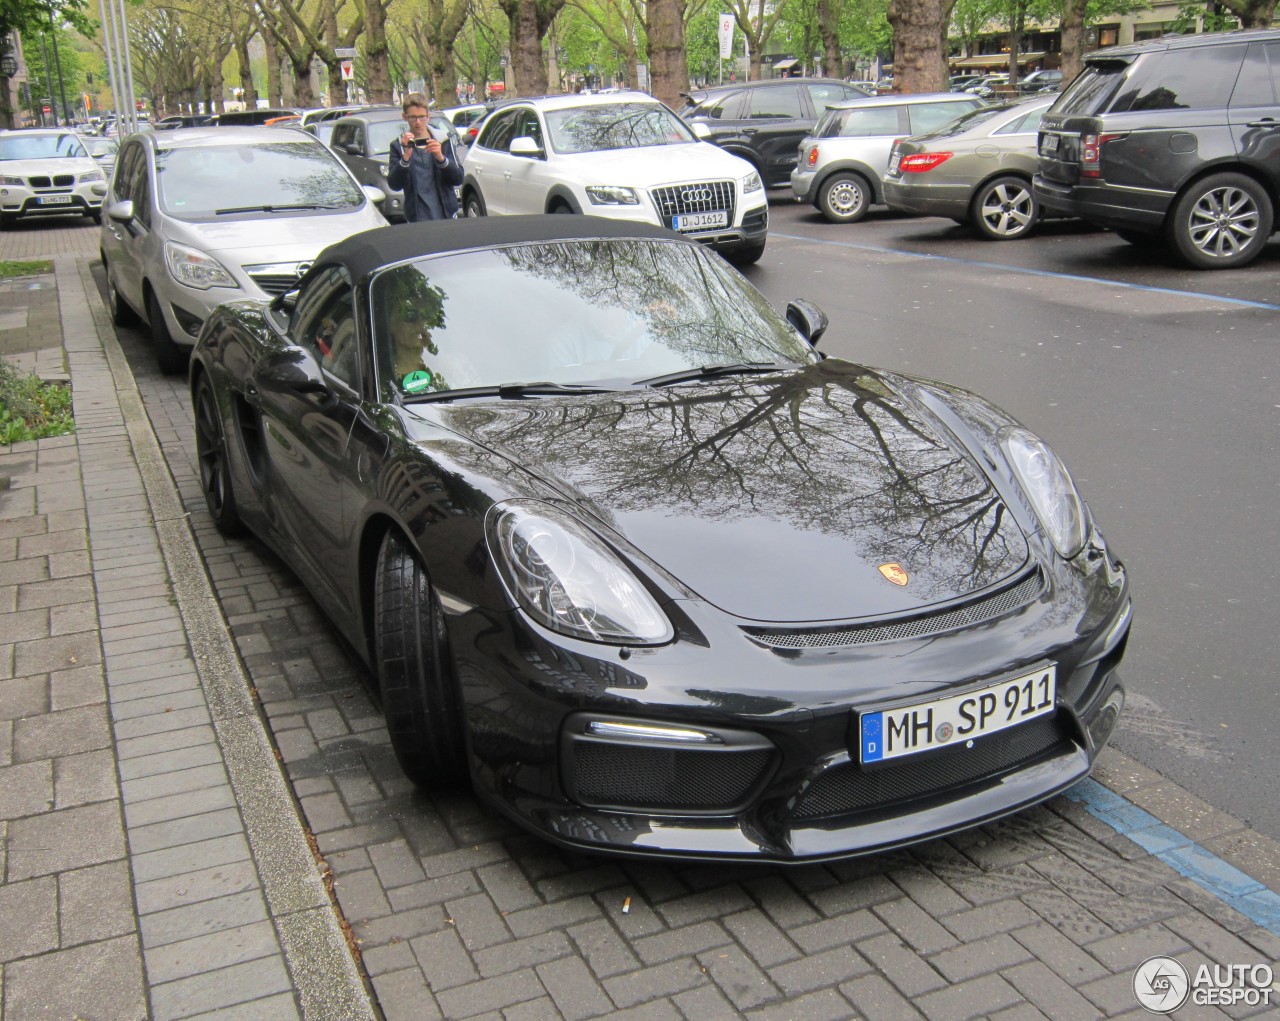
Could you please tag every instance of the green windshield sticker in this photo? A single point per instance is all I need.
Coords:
(415, 381)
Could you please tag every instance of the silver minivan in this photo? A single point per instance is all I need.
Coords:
(198, 216)
(842, 162)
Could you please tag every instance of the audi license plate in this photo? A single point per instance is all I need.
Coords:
(893, 162)
(700, 221)
(1049, 144)
(55, 200)
(924, 726)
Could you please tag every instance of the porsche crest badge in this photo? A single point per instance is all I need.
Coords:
(894, 573)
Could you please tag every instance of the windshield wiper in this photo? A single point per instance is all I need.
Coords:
(509, 391)
(713, 371)
(272, 209)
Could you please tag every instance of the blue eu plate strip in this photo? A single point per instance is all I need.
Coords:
(1238, 890)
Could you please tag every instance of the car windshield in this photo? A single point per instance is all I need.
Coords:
(101, 146)
(970, 120)
(620, 126)
(211, 180)
(14, 145)
(382, 134)
(607, 312)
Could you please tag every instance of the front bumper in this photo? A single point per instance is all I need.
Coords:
(783, 782)
(19, 201)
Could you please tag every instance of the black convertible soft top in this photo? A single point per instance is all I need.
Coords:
(372, 249)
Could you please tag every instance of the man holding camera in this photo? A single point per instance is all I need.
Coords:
(426, 170)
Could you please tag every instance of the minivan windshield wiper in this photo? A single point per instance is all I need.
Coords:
(508, 391)
(275, 209)
(713, 371)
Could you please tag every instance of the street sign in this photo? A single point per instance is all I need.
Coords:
(345, 51)
(348, 70)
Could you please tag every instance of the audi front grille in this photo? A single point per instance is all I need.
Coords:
(705, 197)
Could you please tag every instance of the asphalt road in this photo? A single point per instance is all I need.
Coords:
(1159, 386)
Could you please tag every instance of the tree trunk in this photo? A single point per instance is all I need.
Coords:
(829, 12)
(303, 94)
(668, 65)
(378, 80)
(273, 71)
(528, 21)
(919, 46)
(246, 72)
(1072, 29)
(1016, 24)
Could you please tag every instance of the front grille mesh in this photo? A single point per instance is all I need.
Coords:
(275, 283)
(846, 789)
(977, 612)
(625, 776)
(708, 197)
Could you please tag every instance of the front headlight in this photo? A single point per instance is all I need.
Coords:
(1048, 486)
(195, 269)
(752, 183)
(13, 181)
(568, 580)
(92, 175)
(612, 195)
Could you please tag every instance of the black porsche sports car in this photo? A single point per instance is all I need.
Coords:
(626, 552)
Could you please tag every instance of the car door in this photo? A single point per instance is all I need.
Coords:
(1254, 111)
(311, 464)
(489, 161)
(528, 179)
(776, 119)
(126, 245)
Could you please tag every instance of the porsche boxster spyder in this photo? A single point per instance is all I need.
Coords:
(628, 554)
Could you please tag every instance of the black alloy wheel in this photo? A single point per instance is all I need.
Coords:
(472, 205)
(1221, 222)
(1004, 209)
(420, 698)
(212, 460)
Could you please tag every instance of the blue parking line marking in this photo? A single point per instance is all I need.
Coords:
(1236, 889)
(1243, 302)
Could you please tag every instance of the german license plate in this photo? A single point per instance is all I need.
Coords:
(924, 726)
(893, 162)
(700, 221)
(1049, 143)
(55, 200)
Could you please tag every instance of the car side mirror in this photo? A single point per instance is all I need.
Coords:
(99, 188)
(375, 195)
(526, 146)
(292, 370)
(700, 130)
(806, 317)
(121, 212)
(352, 149)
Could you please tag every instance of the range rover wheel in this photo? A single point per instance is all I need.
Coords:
(1221, 221)
(1004, 209)
(420, 697)
(844, 198)
(211, 458)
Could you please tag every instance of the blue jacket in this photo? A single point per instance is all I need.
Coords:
(425, 173)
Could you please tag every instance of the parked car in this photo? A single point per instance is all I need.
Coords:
(462, 116)
(623, 156)
(1047, 80)
(362, 140)
(47, 171)
(764, 121)
(243, 118)
(879, 614)
(199, 216)
(841, 165)
(1175, 139)
(184, 120)
(103, 150)
(976, 169)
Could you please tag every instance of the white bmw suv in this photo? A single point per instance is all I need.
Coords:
(48, 171)
(621, 155)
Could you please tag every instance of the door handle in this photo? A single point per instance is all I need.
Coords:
(1266, 122)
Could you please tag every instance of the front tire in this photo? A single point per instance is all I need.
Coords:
(844, 198)
(1221, 222)
(473, 205)
(745, 256)
(214, 462)
(1004, 209)
(172, 358)
(420, 697)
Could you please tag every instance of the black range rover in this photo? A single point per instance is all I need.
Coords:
(1179, 137)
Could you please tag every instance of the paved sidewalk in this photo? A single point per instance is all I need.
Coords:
(168, 785)
(154, 861)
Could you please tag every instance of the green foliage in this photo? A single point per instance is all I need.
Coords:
(42, 68)
(31, 16)
(1191, 13)
(12, 268)
(31, 409)
(702, 45)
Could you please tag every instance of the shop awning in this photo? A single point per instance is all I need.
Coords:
(786, 65)
(993, 60)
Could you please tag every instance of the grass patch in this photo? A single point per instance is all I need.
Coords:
(31, 409)
(17, 268)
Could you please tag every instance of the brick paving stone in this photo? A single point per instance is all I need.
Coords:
(825, 1005)
(1126, 950)
(910, 973)
(69, 689)
(281, 1007)
(179, 806)
(1210, 938)
(61, 733)
(552, 916)
(928, 890)
(574, 989)
(65, 839)
(1041, 986)
(522, 953)
(433, 891)
(22, 697)
(181, 781)
(979, 957)
(850, 928)
(700, 906)
(26, 788)
(780, 901)
(212, 952)
(1080, 925)
(989, 919)
(1019, 1012)
(402, 925)
(176, 861)
(765, 942)
(604, 950)
(170, 761)
(631, 913)
(508, 886)
(156, 744)
(239, 983)
(404, 996)
(190, 920)
(395, 864)
(586, 880)
(95, 903)
(28, 918)
(444, 960)
(192, 887)
(877, 1000)
(906, 918)
(6, 747)
(705, 1003)
(738, 977)
(651, 983)
(973, 999)
(1048, 944)
(477, 922)
(683, 942)
(94, 980)
(814, 971)
(189, 829)
(658, 1010)
(490, 994)
(362, 895)
(395, 956)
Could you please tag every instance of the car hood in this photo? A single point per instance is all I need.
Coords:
(53, 165)
(278, 239)
(657, 165)
(775, 498)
